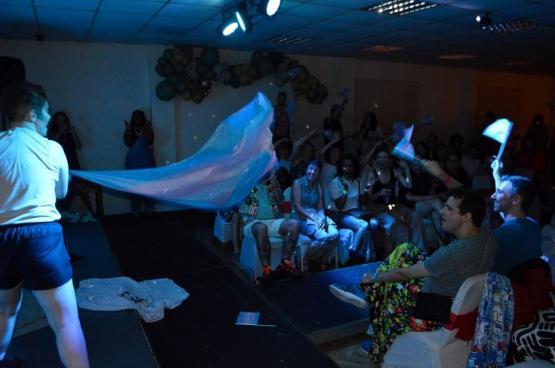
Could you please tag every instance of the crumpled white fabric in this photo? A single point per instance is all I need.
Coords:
(149, 297)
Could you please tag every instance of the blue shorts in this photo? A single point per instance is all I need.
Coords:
(34, 254)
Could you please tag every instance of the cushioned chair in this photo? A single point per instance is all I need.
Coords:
(223, 230)
(441, 348)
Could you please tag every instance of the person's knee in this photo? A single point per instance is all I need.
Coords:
(259, 230)
(10, 303)
(291, 226)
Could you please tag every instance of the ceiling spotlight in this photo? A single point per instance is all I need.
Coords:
(270, 7)
(485, 20)
(229, 26)
(242, 17)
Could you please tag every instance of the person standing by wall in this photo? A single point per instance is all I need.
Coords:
(139, 137)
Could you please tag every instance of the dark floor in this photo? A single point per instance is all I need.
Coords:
(201, 332)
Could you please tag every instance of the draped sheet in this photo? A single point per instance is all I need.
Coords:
(218, 176)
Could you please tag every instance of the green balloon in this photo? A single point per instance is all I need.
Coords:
(169, 69)
(160, 69)
(168, 53)
(266, 67)
(186, 95)
(197, 96)
(209, 56)
(181, 87)
(163, 60)
(173, 79)
(187, 51)
(165, 91)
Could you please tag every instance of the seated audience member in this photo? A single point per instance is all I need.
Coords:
(530, 159)
(391, 291)
(369, 129)
(332, 155)
(61, 131)
(439, 154)
(454, 169)
(471, 162)
(306, 153)
(538, 131)
(287, 152)
(313, 222)
(262, 218)
(284, 149)
(345, 192)
(332, 125)
(519, 238)
(399, 222)
(456, 143)
(283, 178)
(422, 150)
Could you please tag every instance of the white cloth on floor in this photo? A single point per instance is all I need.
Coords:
(149, 297)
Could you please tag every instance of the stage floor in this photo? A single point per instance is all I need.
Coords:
(201, 332)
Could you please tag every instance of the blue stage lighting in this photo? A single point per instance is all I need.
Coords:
(229, 27)
(242, 17)
(272, 6)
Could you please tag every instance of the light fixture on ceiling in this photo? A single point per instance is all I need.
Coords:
(270, 7)
(289, 40)
(240, 14)
(400, 7)
(519, 63)
(511, 26)
(457, 57)
(242, 17)
(484, 19)
(382, 49)
(229, 25)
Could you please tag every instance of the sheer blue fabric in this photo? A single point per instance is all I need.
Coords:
(219, 175)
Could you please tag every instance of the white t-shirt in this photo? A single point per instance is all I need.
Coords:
(337, 191)
(30, 168)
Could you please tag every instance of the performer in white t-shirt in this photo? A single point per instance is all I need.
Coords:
(33, 173)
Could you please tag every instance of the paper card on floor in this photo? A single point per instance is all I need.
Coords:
(248, 318)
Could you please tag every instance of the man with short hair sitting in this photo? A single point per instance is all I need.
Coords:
(391, 292)
(519, 238)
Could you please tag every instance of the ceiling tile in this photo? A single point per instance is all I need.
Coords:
(347, 4)
(316, 11)
(131, 6)
(16, 12)
(189, 11)
(63, 15)
(359, 17)
(175, 21)
(105, 16)
(68, 4)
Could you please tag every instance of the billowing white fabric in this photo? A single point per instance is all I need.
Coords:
(219, 175)
(149, 297)
(440, 348)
